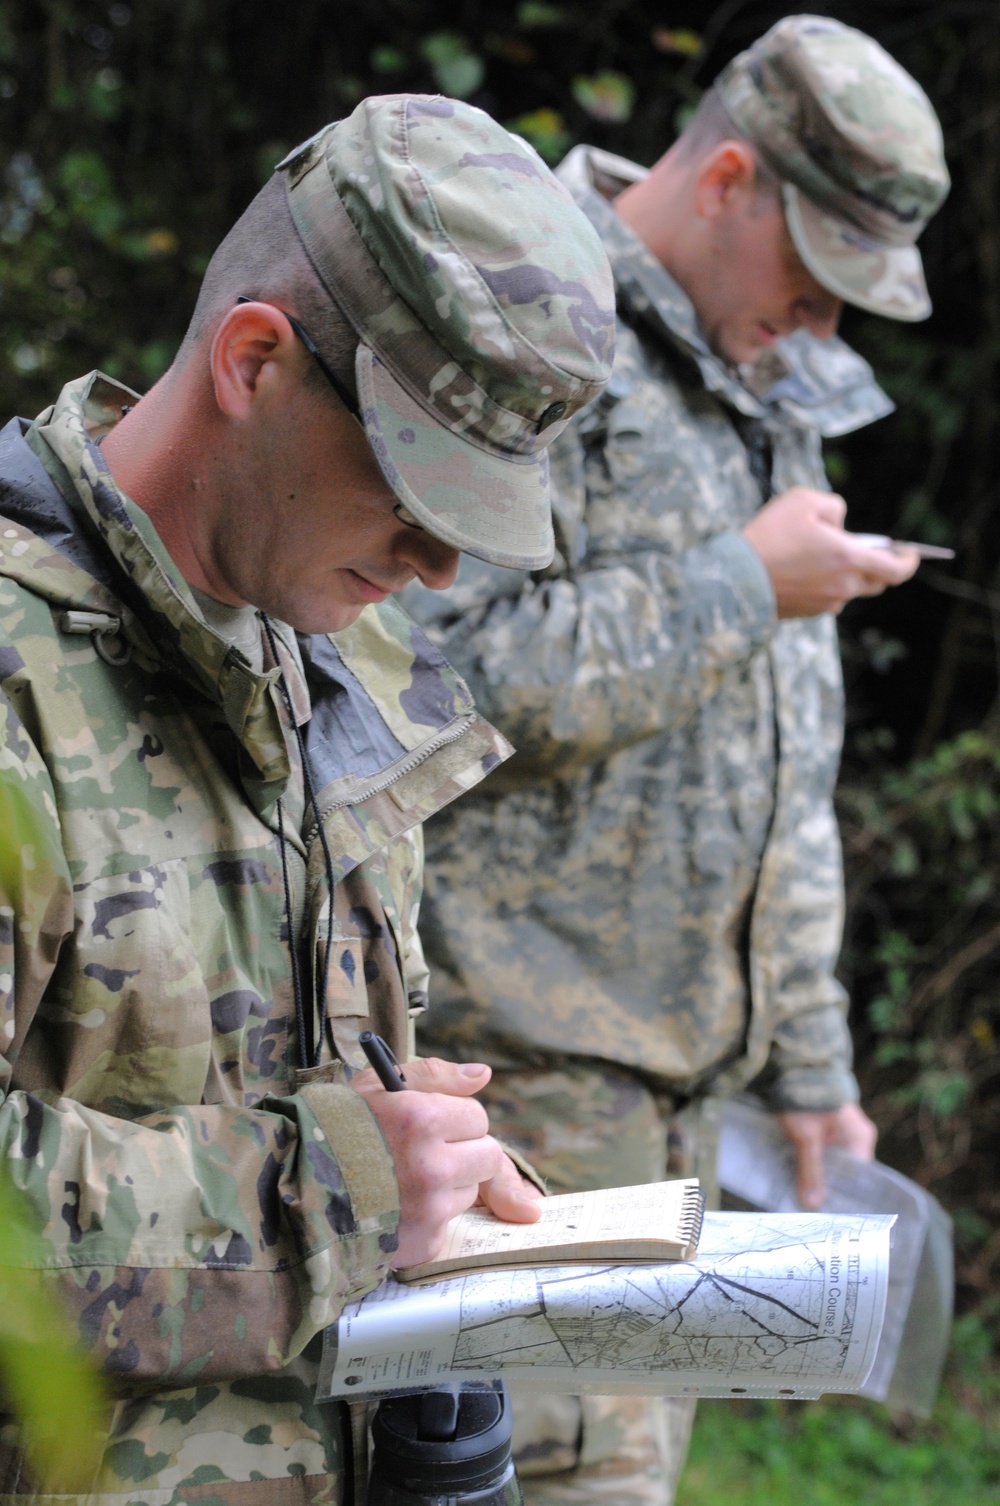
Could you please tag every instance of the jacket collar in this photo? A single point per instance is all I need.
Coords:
(819, 383)
(162, 616)
(387, 710)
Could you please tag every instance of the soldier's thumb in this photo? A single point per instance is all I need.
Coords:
(429, 1074)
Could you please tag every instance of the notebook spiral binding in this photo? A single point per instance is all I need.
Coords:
(692, 1217)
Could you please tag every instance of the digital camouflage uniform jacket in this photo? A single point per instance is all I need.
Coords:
(206, 1208)
(664, 842)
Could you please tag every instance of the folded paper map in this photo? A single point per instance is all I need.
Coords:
(655, 1222)
(782, 1304)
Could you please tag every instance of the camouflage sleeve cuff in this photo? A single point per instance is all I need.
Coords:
(750, 581)
(809, 1090)
(362, 1154)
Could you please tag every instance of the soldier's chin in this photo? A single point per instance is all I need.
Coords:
(326, 617)
(738, 347)
(342, 616)
(748, 346)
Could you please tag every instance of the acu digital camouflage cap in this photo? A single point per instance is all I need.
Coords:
(858, 147)
(483, 302)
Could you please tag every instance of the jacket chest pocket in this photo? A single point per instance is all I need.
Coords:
(342, 963)
(346, 982)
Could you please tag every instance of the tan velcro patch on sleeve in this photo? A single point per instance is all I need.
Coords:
(360, 1149)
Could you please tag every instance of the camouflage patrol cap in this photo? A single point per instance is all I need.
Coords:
(483, 302)
(858, 147)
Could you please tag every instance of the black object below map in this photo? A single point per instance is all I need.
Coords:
(450, 1444)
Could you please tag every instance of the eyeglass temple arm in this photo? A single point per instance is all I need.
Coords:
(346, 397)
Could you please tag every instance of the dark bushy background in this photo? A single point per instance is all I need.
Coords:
(130, 138)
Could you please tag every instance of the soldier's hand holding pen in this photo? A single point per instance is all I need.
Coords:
(814, 564)
(445, 1157)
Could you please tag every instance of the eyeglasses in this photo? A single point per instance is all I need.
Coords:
(343, 392)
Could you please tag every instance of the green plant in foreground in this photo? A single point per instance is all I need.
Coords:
(53, 1392)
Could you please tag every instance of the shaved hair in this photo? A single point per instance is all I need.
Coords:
(711, 125)
(262, 258)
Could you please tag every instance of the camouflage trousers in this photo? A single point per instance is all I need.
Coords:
(587, 1124)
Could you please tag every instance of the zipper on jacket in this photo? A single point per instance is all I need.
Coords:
(405, 766)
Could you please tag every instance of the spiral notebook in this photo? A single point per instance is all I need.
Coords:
(649, 1224)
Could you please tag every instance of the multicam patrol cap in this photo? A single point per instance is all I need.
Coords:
(858, 147)
(483, 302)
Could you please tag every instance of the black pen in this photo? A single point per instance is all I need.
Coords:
(383, 1059)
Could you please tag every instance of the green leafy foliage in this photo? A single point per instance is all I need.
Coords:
(536, 13)
(607, 96)
(546, 130)
(837, 1452)
(683, 42)
(55, 1395)
(923, 845)
(458, 71)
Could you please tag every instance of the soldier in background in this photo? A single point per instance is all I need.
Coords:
(643, 910)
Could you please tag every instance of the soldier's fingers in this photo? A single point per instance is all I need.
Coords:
(808, 1133)
(831, 508)
(510, 1197)
(907, 561)
(809, 1151)
(429, 1074)
(474, 1162)
(423, 1230)
(853, 1129)
(868, 585)
(882, 565)
(440, 1116)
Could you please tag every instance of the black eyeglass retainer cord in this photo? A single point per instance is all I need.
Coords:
(309, 1053)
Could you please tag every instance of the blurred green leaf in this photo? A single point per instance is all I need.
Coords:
(512, 49)
(838, 467)
(457, 70)
(607, 96)
(683, 116)
(683, 42)
(154, 359)
(54, 1393)
(269, 155)
(944, 1092)
(350, 88)
(905, 858)
(388, 60)
(534, 13)
(546, 130)
(149, 245)
(90, 194)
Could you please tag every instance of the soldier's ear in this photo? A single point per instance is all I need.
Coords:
(726, 175)
(253, 346)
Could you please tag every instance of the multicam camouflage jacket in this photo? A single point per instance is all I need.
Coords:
(207, 1207)
(655, 879)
